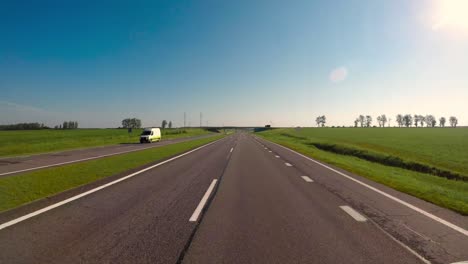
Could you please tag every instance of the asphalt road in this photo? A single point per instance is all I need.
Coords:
(238, 200)
(16, 165)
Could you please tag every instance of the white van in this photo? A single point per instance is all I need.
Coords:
(150, 134)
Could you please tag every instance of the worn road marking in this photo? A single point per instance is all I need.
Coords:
(50, 207)
(203, 201)
(391, 197)
(353, 213)
(307, 179)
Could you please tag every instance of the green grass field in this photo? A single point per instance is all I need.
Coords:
(441, 148)
(27, 187)
(25, 142)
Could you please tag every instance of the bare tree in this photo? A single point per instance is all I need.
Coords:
(453, 121)
(442, 122)
(356, 122)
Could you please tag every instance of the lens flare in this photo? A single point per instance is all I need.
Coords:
(451, 14)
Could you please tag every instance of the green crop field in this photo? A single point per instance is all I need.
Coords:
(423, 162)
(25, 142)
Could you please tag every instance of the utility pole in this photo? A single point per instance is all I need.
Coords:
(201, 119)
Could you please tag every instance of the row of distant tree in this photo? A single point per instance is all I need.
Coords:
(37, 126)
(165, 124)
(131, 123)
(428, 120)
(67, 125)
(406, 121)
(136, 123)
(23, 126)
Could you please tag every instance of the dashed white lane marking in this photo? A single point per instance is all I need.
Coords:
(391, 197)
(203, 201)
(307, 179)
(276, 156)
(270, 151)
(266, 148)
(231, 149)
(76, 197)
(288, 164)
(353, 213)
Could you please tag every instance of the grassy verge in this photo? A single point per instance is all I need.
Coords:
(447, 193)
(24, 188)
(16, 143)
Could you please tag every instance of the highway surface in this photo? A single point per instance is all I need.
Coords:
(16, 165)
(240, 199)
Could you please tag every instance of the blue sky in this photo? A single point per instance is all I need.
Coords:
(238, 62)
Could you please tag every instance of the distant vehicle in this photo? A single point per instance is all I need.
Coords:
(150, 134)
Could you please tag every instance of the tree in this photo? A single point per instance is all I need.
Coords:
(416, 120)
(163, 124)
(422, 120)
(442, 122)
(321, 120)
(131, 123)
(356, 122)
(430, 120)
(382, 119)
(362, 120)
(399, 119)
(324, 120)
(368, 121)
(453, 121)
(170, 124)
(65, 125)
(318, 120)
(407, 120)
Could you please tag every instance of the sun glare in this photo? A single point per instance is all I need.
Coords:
(451, 14)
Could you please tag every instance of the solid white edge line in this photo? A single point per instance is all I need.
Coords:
(78, 160)
(50, 207)
(307, 179)
(401, 243)
(417, 209)
(203, 201)
(353, 213)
